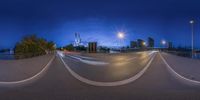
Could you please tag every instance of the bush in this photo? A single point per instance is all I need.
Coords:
(80, 48)
(69, 47)
(4, 50)
(31, 46)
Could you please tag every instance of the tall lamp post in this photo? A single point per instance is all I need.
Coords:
(144, 43)
(120, 35)
(192, 31)
(163, 43)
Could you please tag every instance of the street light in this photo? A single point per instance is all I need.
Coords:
(120, 35)
(144, 43)
(163, 42)
(192, 31)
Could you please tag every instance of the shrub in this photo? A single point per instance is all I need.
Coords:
(31, 46)
(69, 47)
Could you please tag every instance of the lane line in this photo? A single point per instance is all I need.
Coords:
(116, 83)
(99, 62)
(149, 53)
(84, 57)
(130, 59)
(178, 76)
(28, 80)
(89, 62)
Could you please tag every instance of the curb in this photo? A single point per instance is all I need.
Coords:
(28, 80)
(178, 76)
(116, 83)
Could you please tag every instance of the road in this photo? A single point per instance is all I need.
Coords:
(118, 66)
(58, 84)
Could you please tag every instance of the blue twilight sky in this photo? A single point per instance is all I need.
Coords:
(99, 20)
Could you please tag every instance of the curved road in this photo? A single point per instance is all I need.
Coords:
(120, 66)
(58, 84)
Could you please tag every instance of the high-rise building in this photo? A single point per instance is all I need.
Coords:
(141, 43)
(150, 42)
(170, 45)
(133, 44)
(92, 47)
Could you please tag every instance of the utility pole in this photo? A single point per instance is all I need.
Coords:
(192, 31)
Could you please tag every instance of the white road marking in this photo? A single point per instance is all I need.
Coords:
(178, 76)
(88, 61)
(131, 58)
(116, 83)
(84, 57)
(150, 53)
(28, 80)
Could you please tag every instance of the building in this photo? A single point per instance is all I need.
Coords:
(92, 47)
(133, 44)
(141, 43)
(170, 45)
(150, 42)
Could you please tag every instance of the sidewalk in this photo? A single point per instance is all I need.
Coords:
(16, 70)
(186, 67)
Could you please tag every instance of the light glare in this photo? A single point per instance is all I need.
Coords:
(120, 35)
(144, 43)
(192, 21)
(163, 42)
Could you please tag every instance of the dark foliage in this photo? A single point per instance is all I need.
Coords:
(31, 46)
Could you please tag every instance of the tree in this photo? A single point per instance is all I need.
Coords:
(69, 47)
(31, 46)
(80, 48)
(4, 50)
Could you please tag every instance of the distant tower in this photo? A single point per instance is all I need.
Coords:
(92, 47)
(133, 44)
(77, 41)
(140, 43)
(170, 45)
(150, 42)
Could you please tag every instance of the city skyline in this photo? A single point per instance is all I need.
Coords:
(99, 49)
(58, 21)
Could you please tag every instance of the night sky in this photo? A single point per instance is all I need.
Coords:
(58, 20)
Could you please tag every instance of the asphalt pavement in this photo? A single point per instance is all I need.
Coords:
(58, 84)
(119, 66)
